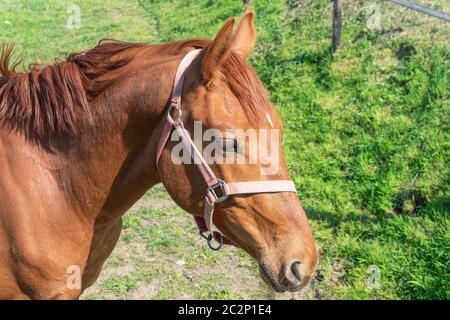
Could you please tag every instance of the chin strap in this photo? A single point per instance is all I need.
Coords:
(217, 189)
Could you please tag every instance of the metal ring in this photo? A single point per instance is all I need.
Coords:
(210, 239)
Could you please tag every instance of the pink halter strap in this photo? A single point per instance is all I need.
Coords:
(217, 190)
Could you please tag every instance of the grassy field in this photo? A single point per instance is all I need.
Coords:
(367, 140)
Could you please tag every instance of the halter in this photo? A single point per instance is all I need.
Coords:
(217, 190)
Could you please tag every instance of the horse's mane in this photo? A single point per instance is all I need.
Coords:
(54, 99)
(47, 101)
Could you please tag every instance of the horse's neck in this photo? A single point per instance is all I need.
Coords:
(115, 165)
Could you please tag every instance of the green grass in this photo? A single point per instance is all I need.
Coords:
(38, 27)
(366, 138)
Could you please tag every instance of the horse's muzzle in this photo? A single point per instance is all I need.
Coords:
(291, 276)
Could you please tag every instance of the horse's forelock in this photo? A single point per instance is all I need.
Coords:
(247, 87)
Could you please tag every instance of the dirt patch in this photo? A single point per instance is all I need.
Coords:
(145, 291)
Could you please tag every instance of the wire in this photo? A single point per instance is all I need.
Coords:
(423, 9)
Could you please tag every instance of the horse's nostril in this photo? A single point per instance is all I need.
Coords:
(295, 268)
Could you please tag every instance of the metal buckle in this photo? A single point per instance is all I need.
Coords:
(175, 111)
(219, 186)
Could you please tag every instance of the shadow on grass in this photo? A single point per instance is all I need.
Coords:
(438, 206)
(321, 61)
(334, 220)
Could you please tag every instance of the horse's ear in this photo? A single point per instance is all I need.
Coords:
(218, 50)
(244, 36)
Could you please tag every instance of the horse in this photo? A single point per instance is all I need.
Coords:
(78, 143)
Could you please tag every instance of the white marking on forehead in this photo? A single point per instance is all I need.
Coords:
(269, 119)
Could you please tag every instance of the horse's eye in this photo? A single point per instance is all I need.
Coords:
(230, 145)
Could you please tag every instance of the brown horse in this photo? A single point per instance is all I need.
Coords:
(78, 142)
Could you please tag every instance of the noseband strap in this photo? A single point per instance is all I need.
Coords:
(217, 189)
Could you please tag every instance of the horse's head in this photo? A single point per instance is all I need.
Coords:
(222, 93)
